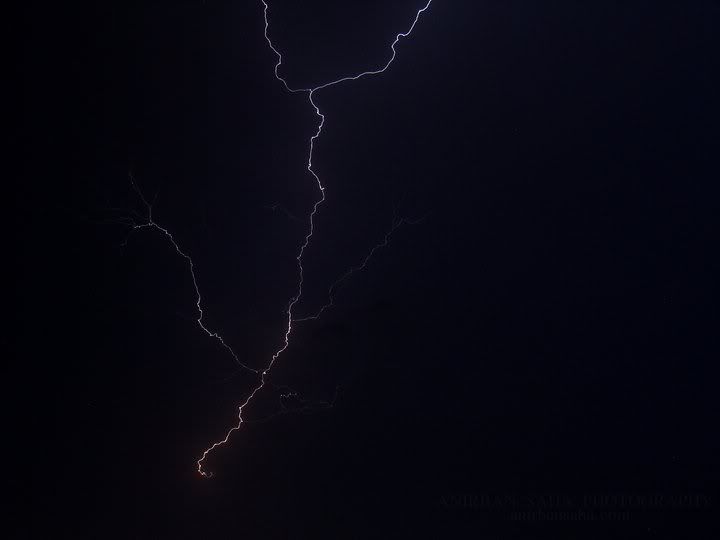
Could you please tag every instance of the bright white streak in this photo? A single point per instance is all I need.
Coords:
(296, 298)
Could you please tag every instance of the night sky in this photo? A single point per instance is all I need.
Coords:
(535, 357)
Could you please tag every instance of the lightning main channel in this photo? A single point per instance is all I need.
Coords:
(295, 299)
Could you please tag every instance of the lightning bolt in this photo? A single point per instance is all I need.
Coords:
(149, 223)
(311, 92)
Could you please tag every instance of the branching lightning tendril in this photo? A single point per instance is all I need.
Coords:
(150, 224)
